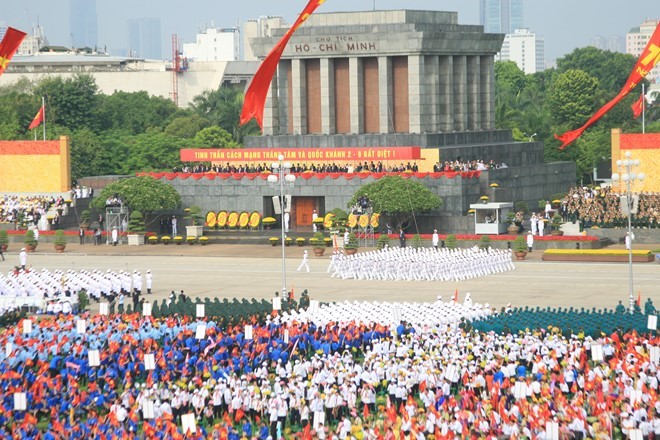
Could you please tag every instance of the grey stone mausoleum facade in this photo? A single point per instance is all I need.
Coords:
(387, 79)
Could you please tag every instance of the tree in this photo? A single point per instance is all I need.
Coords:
(134, 112)
(610, 68)
(214, 137)
(71, 102)
(186, 127)
(223, 108)
(571, 99)
(143, 193)
(398, 198)
(153, 151)
(88, 157)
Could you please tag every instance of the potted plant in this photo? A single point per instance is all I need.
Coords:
(383, 240)
(178, 239)
(484, 199)
(555, 226)
(196, 228)
(513, 227)
(300, 241)
(318, 222)
(30, 241)
(520, 247)
(59, 242)
(317, 242)
(268, 222)
(327, 241)
(136, 229)
(450, 242)
(274, 241)
(165, 239)
(484, 242)
(416, 241)
(4, 240)
(191, 240)
(288, 241)
(85, 215)
(352, 246)
(153, 239)
(203, 241)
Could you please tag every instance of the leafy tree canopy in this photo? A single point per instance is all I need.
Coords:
(571, 98)
(214, 137)
(186, 127)
(398, 198)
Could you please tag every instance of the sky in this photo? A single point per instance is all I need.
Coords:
(564, 24)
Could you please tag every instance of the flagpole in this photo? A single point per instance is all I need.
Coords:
(643, 110)
(43, 107)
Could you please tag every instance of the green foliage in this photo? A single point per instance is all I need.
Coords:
(521, 206)
(571, 100)
(152, 151)
(557, 221)
(520, 244)
(484, 242)
(383, 240)
(416, 241)
(317, 240)
(398, 198)
(352, 242)
(451, 242)
(214, 137)
(29, 237)
(4, 238)
(223, 108)
(610, 68)
(85, 215)
(136, 223)
(194, 214)
(134, 112)
(60, 238)
(83, 300)
(186, 127)
(71, 102)
(143, 193)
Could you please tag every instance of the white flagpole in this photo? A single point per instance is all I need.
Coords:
(43, 106)
(643, 110)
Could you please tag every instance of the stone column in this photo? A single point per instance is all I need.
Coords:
(460, 93)
(327, 96)
(487, 101)
(271, 123)
(473, 93)
(299, 96)
(357, 94)
(385, 95)
(283, 73)
(445, 106)
(418, 110)
(430, 92)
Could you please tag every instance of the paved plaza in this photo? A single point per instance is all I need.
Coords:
(254, 271)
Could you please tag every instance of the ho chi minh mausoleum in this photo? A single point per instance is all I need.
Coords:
(385, 82)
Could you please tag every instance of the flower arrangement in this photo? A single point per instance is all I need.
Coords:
(165, 239)
(178, 239)
(232, 220)
(494, 185)
(211, 219)
(152, 240)
(203, 240)
(191, 239)
(484, 198)
(221, 219)
(300, 241)
(255, 218)
(243, 220)
(327, 241)
(374, 221)
(268, 222)
(471, 211)
(273, 241)
(288, 241)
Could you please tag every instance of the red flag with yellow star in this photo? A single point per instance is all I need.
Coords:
(9, 46)
(38, 119)
(255, 97)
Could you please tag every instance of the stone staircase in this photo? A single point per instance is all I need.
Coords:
(571, 228)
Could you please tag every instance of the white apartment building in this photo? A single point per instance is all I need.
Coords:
(214, 44)
(636, 40)
(259, 28)
(525, 48)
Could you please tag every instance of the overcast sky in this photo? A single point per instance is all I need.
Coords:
(564, 24)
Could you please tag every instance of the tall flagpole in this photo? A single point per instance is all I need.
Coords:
(643, 110)
(43, 107)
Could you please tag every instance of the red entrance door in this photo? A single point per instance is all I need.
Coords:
(304, 208)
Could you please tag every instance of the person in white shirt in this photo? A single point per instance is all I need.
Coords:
(303, 263)
(435, 239)
(314, 217)
(149, 281)
(530, 241)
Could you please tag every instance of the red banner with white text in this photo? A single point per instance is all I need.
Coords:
(316, 155)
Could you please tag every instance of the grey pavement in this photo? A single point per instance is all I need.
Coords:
(254, 271)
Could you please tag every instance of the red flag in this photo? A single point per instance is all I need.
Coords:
(638, 106)
(9, 46)
(646, 61)
(38, 119)
(239, 415)
(639, 298)
(255, 97)
(365, 412)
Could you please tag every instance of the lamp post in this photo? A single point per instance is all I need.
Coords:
(627, 179)
(282, 178)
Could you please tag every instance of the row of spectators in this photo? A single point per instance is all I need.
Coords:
(341, 379)
(26, 209)
(461, 166)
(602, 207)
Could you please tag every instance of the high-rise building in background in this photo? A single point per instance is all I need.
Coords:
(613, 43)
(214, 44)
(259, 28)
(83, 24)
(636, 40)
(501, 16)
(524, 48)
(144, 38)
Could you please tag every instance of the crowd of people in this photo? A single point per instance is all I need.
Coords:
(344, 167)
(602, 207)
(420, 264)
(27, 210)
(302, 379)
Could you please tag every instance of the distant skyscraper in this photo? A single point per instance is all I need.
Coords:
(613, 43)
(84, 29)
(501, 16)
(144, 38)
(524, 48)
(636, 40)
